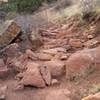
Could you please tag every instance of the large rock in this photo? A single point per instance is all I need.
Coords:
(8, 32)
(82, 63)
(56, 67)
(93, 97)
(32, 76)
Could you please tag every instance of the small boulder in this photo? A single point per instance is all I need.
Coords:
(55, 82)
(56, 67)
(32, 76)
(9, 30)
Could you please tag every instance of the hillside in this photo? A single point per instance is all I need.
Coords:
(52, 53)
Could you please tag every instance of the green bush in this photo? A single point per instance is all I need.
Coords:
(21, 5)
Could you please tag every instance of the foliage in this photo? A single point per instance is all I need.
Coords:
(21, 5)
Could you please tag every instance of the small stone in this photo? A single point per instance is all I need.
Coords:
(75, 43)
(45, 72)
(55, 82)
(90, 36)
(3, 90)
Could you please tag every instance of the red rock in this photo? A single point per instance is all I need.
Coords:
(3, 69)
(56, 67)
(75, 43)
(31, 54)
(91, 43)
(77, 64)
(4, 72)
(54, 51)
(32, 76)
(18, 63)
(38, 56)
(12, 50)
(45, 72)
(83, 63)
(93, 97)
(44, 56)
(55, 82)
(2, 63)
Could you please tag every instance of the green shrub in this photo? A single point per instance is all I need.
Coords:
(21, 5)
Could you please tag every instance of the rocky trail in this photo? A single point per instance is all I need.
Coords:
(59, 62)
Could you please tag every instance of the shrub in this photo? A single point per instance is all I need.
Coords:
(21, 5)
(87, 6)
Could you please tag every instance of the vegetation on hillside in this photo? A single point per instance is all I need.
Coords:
(22, 5)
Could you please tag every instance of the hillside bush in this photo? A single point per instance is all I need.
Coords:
(21, 5)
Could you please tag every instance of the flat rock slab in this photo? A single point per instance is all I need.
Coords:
(9, 30)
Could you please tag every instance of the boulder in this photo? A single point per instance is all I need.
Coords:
(82, 63)
(56, 67)
(9, 30)
(32, 76)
